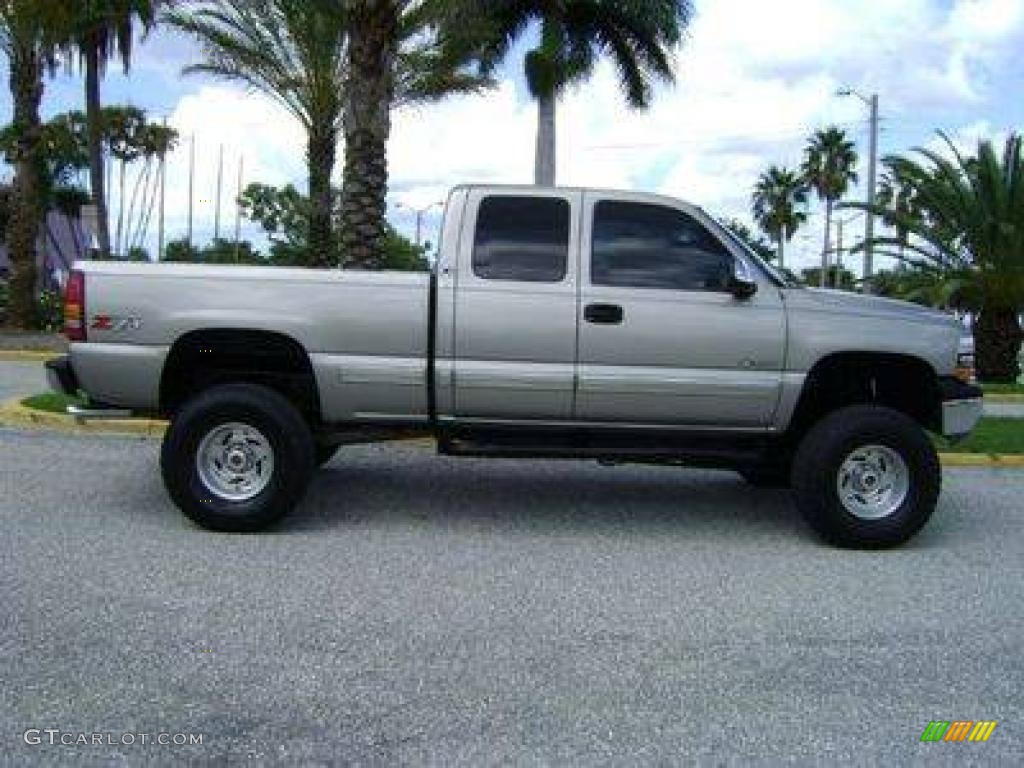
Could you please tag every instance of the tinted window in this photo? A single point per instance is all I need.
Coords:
(637, 245)
(522, 238)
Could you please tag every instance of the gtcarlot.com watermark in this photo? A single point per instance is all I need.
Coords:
(56, 737)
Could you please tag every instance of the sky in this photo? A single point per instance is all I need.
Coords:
(754, 80)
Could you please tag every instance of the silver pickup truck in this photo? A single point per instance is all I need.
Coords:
(561, 323)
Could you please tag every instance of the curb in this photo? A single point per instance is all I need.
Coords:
(1007, 460)
(14, 414)
(27, 355)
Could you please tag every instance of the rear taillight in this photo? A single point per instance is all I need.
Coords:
(74, 307)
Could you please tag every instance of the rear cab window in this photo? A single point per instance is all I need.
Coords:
(522, 238)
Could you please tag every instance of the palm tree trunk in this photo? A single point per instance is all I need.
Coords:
(544, 172)
(824, 249)
(321, 154)
(26, 84)
(372, 49)
(97, 182)
(782, 251)
(997, 342)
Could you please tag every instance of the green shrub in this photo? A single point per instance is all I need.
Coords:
(50, 310)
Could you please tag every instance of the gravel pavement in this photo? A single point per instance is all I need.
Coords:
(423, 610)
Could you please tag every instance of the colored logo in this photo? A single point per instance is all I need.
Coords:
(958, 730)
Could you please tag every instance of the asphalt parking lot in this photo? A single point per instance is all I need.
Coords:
(424, 610)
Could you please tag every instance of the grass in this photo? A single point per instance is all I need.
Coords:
(51, 402)
(992, 435)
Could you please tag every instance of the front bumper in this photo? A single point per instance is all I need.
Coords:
(61, 376)
(962, 407)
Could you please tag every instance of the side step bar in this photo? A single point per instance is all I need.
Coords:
(680, 449)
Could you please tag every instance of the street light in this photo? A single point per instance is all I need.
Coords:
(869, 222)
(420, 213)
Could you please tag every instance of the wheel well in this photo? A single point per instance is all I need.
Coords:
(202, 359)
(901, 382)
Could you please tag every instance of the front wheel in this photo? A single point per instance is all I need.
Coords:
(237, 457)
(866, 476)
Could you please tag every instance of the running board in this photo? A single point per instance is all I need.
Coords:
(708, 451)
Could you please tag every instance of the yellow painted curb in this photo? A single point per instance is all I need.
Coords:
(27, 356)
(1007, 398)
(981, 459)
(14, 414)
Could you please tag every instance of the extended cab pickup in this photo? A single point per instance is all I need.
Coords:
(558, 323)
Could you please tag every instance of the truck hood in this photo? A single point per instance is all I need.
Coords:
(855, 304)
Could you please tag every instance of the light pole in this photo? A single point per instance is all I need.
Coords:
(420, 213)
(869, 222)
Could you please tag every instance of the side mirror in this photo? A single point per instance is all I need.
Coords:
(742, 287)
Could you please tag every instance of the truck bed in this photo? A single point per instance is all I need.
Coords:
(371, 325)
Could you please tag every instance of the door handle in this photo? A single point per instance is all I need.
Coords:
(603, 314)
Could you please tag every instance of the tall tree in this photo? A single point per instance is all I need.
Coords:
(332, 63)
(30, 31)
(638, 35)
(398, 54)
(294, 52)
(967, 230)
(780, 205)
(829, 167)
(372, 64)
(897, 198)
(104, 30)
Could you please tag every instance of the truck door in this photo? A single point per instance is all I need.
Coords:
(662, 339)
(515, 305)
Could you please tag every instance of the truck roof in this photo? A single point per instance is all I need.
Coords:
(533, 188)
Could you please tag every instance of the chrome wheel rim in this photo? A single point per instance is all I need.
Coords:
(235, 461)
(873, 482)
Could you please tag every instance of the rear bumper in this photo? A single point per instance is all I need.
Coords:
(61, 376)
(962, 407)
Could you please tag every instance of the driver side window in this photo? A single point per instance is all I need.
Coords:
(640, 245)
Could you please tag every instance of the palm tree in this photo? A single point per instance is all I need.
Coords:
(331, 63)
(829, 168)
(898, 199)
(397, 55)
(638, 36)
(30, 31)
(967, 230)
(779, 203)
(104, 30)
(294, 52)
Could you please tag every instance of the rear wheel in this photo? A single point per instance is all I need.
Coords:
(237, 457)
(866, 476)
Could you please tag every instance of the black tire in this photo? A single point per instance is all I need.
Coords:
(254, 406)
(836, 437)
(766, 475)
(324, 453)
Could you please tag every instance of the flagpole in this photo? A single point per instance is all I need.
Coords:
(238, 207)
(163, 202)
(191, 186)
(220, 186)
